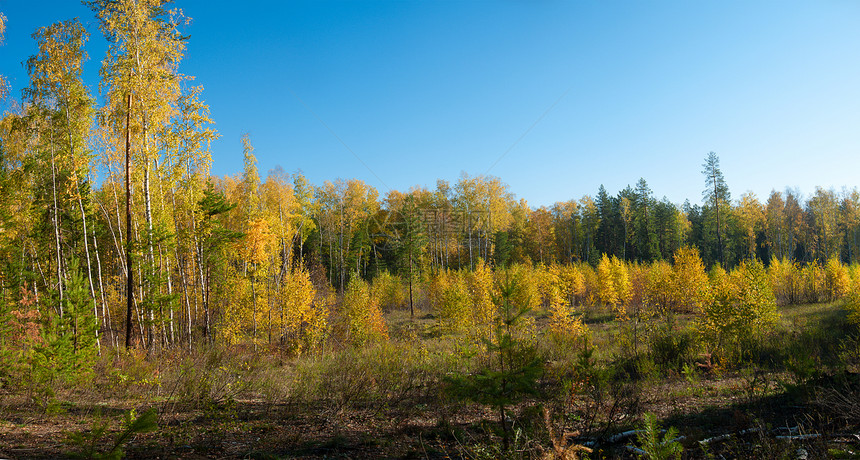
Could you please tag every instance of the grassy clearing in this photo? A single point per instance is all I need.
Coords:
(795, 388)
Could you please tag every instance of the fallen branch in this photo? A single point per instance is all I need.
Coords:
(723, 437)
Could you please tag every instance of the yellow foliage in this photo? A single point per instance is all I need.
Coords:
(636, 279)
(546, 278)
(237, 312)
(854, 275)
(563, 323)
(257, 242)
(572, 282)
(613, 286)
(590, 297)
(837, 281)
(566, 281)
(605, 286)
(690, 282)
(482, 290)
(852, 299)
(813, 282)
(743, 306)
(304, 322)
(363, 315)
(388, 291)
(527, 288)
(786, 280)
(620, 280)
(660, 289)
(452, 301)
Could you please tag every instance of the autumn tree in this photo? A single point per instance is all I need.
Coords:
(567, 229)
(344, 210)
(4, 85)
(187, 140)
(364, 321)
(61, 117)
(541, 234)
(689, 284)
(775, 232)
(141, 83)
(823, 223)
(303, 222)
(467, 203)
(751, 218)
(849, 225)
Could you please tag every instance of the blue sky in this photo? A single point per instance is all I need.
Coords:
(424, 90)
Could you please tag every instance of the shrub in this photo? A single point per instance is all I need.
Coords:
(564, 325)
(481, 291)
(362, 313)
(655, 447)
(671, 349)
(88, 442)
(691, 288)
(658, 287)
(452, 304)
(786, 280)
(388, 291)
(304, 322)
(813, 282)
(743, 308)
(837, 281)
(511, 369)
(572, 282)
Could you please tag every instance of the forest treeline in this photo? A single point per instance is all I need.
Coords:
(113, 230)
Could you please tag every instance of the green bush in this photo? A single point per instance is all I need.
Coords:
(671, 349)
(88, 442)
(511, 369)
(656, 447)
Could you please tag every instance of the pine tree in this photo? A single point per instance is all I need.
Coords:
(512, 367)
(716, 194)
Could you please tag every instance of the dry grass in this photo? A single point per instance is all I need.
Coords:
(386, 400)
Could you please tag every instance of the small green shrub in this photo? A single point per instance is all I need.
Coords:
(512, 368)
(672, 349)
(88, 442)
(655, 446)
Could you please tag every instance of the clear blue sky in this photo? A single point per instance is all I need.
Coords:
(423, 90)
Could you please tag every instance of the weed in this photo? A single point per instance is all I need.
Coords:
(88, 443)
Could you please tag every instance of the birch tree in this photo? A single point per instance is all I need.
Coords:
(141, 82)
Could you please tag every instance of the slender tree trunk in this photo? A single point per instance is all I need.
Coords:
(57, 226)
(254, 300)
(150, 256)
(89, 268)
(719, 225)
(129, 271)
(106, 320)
(411, 303)
(340, 252)
(84, 220)
(204, 269)
(471, 263)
